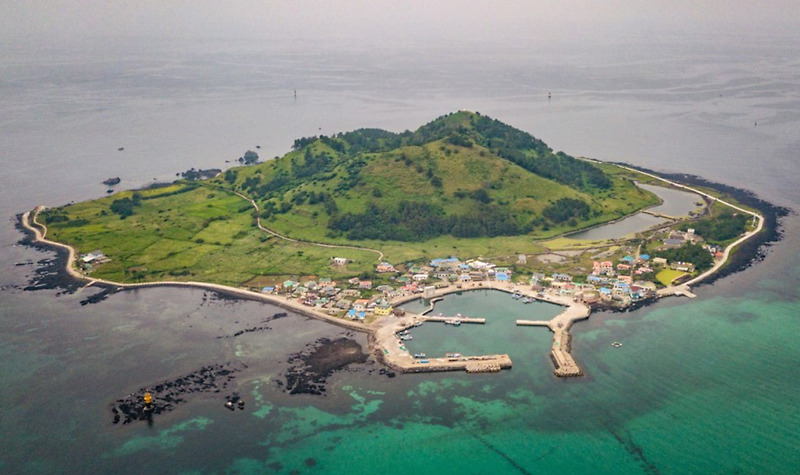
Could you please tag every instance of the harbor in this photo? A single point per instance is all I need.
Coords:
(391, 340)
(560, 325)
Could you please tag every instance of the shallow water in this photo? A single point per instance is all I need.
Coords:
(702, 385)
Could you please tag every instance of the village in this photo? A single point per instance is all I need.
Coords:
(618, 283)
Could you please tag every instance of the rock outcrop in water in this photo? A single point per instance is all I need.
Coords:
(168, 394)
(309, 370)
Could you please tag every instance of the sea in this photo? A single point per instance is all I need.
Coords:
(707, 385)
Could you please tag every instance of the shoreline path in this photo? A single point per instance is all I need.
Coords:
(382, 333)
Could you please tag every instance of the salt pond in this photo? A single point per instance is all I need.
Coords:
(676, 203)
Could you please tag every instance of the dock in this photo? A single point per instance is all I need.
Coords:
(562, 358)
(679, 290)
(452, 320)
(533, 323)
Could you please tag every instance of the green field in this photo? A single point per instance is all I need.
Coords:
(188, 232)
(667, 276)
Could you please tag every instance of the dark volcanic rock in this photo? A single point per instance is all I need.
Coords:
(309, 370)
(168, 394)
(192, 174)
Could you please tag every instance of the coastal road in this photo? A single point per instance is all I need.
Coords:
(726, 253)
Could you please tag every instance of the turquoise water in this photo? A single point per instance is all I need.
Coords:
(692, 379)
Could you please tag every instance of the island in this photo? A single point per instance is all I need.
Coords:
(348, 228)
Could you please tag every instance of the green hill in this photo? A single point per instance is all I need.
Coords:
(463, 184)
(463, 174)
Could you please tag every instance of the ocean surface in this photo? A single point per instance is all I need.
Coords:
(709, 385)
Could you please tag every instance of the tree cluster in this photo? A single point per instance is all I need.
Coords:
(250, 157)
(565, 209)
(124, 207)
(689, 252)
(418, 221)
(719, 228)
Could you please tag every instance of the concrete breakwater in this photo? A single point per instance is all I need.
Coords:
(565, 365)
(470, 364)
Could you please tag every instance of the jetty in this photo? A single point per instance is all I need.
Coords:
(453, 320)
(679, 290)
(565, 365)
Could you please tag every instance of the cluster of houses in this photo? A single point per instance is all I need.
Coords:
(675, 239)
(346, 299)
(623, 281)
(620, 283)
(357, 299)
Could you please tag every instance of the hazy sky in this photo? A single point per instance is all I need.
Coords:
(62, 22)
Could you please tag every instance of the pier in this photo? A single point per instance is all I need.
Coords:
(679, 290)
(453, 320)
(470, 364)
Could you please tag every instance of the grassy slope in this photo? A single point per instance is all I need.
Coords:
(527, 194)
(174, 238)
(208, 234)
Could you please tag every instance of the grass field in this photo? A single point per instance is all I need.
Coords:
(195, 234)
(667, 276)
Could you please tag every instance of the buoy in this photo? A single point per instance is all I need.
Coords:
(148, 402)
